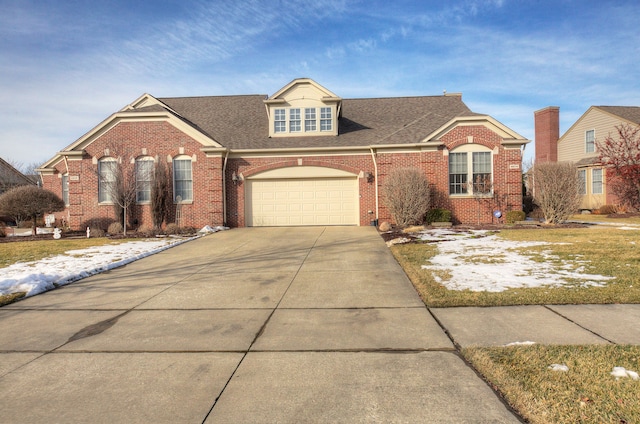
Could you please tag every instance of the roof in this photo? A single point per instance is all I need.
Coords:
(629, 113)
(240, 122)
(9, 175)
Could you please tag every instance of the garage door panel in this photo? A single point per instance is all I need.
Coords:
(286, 202)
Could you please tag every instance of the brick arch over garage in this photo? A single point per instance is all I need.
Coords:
(248, 173)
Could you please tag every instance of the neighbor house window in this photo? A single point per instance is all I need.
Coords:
(310, 119)
(294, 120)
(590, 141)
(182, 179)
(470, 172)
(325, 119)
(582, 176)
(280, 121)
(144, 176)
(107, 168)
(596, 181)
(65, 189)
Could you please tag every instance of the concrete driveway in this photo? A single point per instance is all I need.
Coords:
(249, 325)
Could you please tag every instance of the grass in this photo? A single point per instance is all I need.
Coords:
(587, 393)
(27, 251)
(606, 219)
(607, 251)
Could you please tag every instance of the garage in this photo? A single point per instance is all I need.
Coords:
(303, 195)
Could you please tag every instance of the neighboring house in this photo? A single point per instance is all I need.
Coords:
(303, 156)
(579, 145)
(10, 177)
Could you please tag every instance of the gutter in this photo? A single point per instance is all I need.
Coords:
(375, 170)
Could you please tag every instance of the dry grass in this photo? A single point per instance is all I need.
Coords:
(587, 393)
(609, 251)
(605, 219)
(27, 251)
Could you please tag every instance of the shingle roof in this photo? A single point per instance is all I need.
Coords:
(630, 113)
(240, 122)
(9, 175)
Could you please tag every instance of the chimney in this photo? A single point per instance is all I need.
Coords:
(547, 133)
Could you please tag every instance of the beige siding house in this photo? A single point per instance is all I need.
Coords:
(579, 145)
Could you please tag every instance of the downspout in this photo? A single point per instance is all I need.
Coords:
(375, 171)
(224, 188)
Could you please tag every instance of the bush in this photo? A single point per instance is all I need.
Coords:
(172, 229)
(514, 216)
(556, 190)
(406, 193)
(101, 223)
(438, 215)
(606, 210)
(97, 232)
(115, 228)
(149, 231)
(3, 232)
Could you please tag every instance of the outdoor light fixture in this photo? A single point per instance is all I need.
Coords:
(368, 176)
(236, 178)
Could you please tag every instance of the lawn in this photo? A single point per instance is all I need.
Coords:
(601, 251)
(587, 392)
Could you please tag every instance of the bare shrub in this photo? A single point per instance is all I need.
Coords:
(621, 155)
(172, 229)
(556, 190)
(97, 232)
(407, 195)
(115, 228)
(160, 195)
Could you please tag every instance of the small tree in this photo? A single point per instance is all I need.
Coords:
(118, 179)
(29, 202)
(160, 193)
(621, 154)
(556, 190)
(407, 195)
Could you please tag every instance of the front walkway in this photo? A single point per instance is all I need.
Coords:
(249, 325)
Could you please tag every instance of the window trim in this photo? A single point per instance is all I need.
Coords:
(582, 176)
(175, 193)
(105, 198)
(65, 189)
(468, 186)
(599, 181)
(590, 143)
(148, 182)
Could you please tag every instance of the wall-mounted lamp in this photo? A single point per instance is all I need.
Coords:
(236, 178)
(368, 176)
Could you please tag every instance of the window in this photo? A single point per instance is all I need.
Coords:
(310, 119)
(325, 119)
(182, 179)
(294, 120)
(144, 176)
(596, 181)
(65, 189)
(582, 176)
(280, 121)
(470, 172)
(590, 141)
(107, 169)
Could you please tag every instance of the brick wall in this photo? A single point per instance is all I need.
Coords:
(162, 140)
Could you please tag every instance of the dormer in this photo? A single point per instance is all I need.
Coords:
(303, 108)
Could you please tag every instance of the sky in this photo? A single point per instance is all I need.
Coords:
(67, 65)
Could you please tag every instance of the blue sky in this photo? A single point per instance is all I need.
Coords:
(67, 65)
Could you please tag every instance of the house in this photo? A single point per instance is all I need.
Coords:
(579, 145)
(302, 156)
(10, 177)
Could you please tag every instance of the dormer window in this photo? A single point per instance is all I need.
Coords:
(325, 119)
(294, 120)
(280, 121)
(310, 119)
(291, 119)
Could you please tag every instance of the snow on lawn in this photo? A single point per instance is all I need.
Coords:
(481, 261)
(39, 276)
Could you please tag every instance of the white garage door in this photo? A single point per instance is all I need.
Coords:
(302, 201)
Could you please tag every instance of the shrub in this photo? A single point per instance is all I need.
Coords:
(514, 216)
(407, 195)
(556, 190)
(187, 230)
(97, 232)
(438, 215)
(149, 231)
(102, 223)
(115, 228)
(606, 210)
(172, 229)
(3, 232)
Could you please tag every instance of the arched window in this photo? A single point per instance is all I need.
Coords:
(107, 168)
(144, 177)
(471, 170)
(182, 179)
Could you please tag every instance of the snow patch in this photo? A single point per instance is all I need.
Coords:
(558, 367)
(527, 343)
(621, 372)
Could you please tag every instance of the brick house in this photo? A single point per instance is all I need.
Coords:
(303, 156)
(579, 144)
